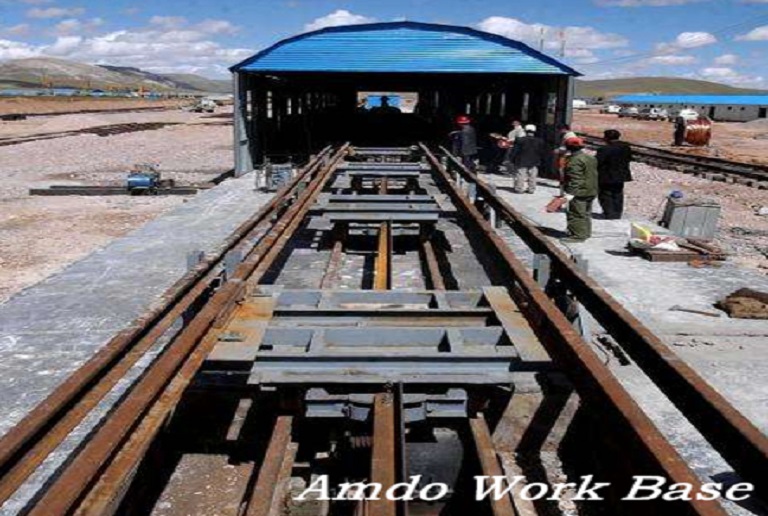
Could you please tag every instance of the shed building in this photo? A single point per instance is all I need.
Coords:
(304, 92)
(728, 108)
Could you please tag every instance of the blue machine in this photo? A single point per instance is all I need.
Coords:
(144, 178)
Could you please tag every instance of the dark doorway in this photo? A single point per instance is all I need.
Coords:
(711, 111)
(763, 113)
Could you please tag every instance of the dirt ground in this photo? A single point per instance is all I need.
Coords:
(736, 141)
(41, 235)
(741, 229)
(42, 105)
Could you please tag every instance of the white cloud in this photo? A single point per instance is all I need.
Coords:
(168, 22)
(576, 37)
(726, 59)
(672, 60)
(21, 29)
(216, 27)
(337, 18)
(731, 76)
(756, 34)
(644, 3)
(187, 49)
(17, 50)
(75, 26)
(686, 40)
(54, 12)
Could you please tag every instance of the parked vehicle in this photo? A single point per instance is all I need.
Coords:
(687, 114)
(653, 114)
(628, 112)
(580, 104)
(611, 109)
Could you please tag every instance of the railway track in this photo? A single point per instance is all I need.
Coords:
(369, 325)
(707, 167)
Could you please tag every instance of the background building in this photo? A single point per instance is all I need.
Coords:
(733, 108)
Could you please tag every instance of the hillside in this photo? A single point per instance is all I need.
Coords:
(199, 83)
(61, 73)
(612, 87)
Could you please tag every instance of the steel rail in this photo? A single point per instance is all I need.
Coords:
(712, 164)
(384, 453)
(592, 379)
(489, 464)
(266, 492)
(734, 436)
(26, 445)
(166, 379)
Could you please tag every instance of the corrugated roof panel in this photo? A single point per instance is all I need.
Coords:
(402, 47)
(716, 100)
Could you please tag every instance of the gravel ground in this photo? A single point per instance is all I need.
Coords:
(740, 229)
(41, 235)
(35, 105)
(736, 141)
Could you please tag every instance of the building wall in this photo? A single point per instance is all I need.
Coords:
(724, 113)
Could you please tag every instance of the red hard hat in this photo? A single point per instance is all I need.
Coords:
(574, 141)
(463, 119)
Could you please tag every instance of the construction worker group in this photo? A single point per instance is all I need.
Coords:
(584, 177)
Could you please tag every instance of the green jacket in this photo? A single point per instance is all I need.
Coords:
(581, 175)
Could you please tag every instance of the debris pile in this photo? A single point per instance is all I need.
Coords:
(745, 303)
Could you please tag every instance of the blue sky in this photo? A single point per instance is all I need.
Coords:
(721, 40)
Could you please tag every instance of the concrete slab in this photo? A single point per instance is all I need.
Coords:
(53, 327)
(731, 354)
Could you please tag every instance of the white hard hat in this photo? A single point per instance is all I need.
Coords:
(530, 128)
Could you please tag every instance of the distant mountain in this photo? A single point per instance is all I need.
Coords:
(199, 83)
(61, 73)
(612, 87)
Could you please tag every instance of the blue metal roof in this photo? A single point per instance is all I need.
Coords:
(402, 47)
(735, 100)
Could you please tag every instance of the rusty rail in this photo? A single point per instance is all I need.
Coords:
(28, 443)
(166, 379)
(592, 379)
(735, 437)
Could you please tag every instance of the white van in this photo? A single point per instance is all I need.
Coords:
(579, 104)
(688, 114)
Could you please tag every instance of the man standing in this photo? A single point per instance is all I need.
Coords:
(516, 132)
(613, 171)
(527, 155)
(580, 190)
(680, 125)
(464, 142)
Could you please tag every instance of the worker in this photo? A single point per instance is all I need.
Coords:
(516, 132)
(385, 107)
(580, 190)
(565, 132)
(613, 171)
(561, 152)
(464, 142)
(527, 156)
(504, 147)
(679, 131)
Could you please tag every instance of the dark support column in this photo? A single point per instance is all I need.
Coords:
(243, 158)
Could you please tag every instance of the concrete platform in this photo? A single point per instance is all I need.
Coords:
(731, 354)
(50, 329)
